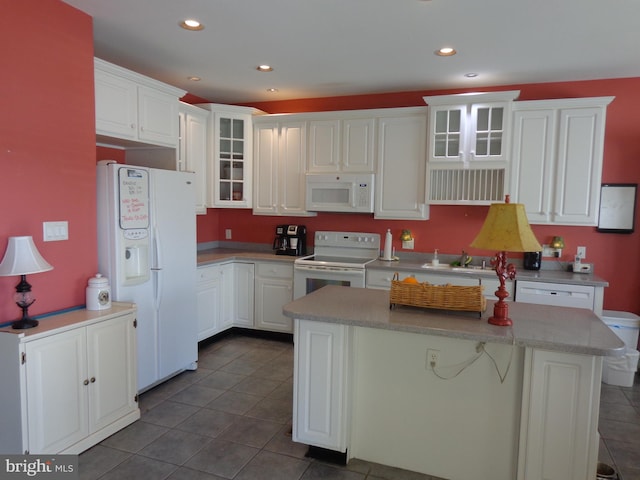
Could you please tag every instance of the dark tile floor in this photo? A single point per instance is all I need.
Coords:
(231, 419)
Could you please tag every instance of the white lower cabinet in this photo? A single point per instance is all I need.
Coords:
(68, 383)
(273, 289)
(559, 422)
(215, 297)
(322, 377)
(560, 295)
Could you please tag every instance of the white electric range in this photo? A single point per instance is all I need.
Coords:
(339, 258)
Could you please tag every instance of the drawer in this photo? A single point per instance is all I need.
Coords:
(556, 294)
(274, 270)
(207, 273)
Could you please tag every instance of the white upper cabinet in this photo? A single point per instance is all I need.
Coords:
(133, 108)
(468, 147)
(344, 142)
(192, 149)
(280, 161)
(230, 155)
(401, 177)
(557, 155)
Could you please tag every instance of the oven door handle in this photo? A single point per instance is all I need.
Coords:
(325, 268)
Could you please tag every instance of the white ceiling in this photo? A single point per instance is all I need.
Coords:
(322, 48)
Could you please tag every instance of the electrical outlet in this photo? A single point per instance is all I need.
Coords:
(227, 234)
(432, 358)
(581, 252)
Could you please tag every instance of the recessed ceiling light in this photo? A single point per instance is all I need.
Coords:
(191, 24)
(264, 68)
(194, 79)
(471, 75)
(445, 52)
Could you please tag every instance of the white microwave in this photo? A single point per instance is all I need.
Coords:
(339, 192)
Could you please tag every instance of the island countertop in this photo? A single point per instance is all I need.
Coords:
(563, 329)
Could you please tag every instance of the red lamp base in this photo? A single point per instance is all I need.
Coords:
(501, 308)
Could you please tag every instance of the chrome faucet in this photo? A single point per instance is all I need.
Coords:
(464, 259)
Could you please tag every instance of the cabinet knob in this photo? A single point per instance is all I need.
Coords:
(86, 382)
(93, 379)
(133, 126)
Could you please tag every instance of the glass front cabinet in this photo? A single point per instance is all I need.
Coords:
(230, 144)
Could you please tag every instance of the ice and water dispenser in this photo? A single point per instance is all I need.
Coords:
(135, 235)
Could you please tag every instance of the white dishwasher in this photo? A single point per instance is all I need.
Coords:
(556, 294)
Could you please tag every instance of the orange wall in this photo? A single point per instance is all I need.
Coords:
(47, 146)
(452, 228)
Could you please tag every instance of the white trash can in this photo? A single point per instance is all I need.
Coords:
(620, 371)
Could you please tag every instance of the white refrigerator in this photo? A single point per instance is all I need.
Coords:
(147, 249)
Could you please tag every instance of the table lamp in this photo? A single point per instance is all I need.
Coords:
(21, 258)
(505, 229)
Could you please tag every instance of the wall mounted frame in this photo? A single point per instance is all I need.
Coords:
(617, 207)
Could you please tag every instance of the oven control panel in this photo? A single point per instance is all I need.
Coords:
(348, 239)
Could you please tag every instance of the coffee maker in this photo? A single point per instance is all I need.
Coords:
(290, 240)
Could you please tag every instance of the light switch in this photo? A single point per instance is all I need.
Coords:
(55, 231)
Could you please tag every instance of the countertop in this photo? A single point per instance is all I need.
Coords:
(218, 255)
(553, 276)
(571, 330)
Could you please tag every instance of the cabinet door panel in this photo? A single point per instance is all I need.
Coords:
(244, 274)
(112, 380)
(158, 117)
(358, 144)
(324, 142)
(271, 295)
(57, 402)
(293, 147)
(266, 141)
(579, 166)
(116, 106)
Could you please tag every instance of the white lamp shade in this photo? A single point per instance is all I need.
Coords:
(22, 257)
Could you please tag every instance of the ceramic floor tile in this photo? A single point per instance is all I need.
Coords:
(281, 442)
(273, 408)
(222, 458)
(175, 447)
(210, 423)
(221, 380)
(184, 473)
(234, 402)
(256, 386)
(170, 413)
(135, 437)
(251, 431)
(98, 460)
(270, 466)
(140, 468)
(197, 395)
(322, 471)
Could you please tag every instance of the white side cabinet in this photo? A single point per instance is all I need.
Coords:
(192, 149)
(557, 159)
(132, 107)
(273, 290)
(321, 372)
(280, 163)
(68, 383)
(400, 190)
(559, 424)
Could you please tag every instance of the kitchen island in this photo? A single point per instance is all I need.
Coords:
(448, 394)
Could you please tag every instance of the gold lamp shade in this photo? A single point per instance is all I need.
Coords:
(506, 229)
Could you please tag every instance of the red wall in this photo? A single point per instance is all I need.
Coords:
(47, 146)
(452, 228)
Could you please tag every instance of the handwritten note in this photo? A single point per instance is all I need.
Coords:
(134, 198)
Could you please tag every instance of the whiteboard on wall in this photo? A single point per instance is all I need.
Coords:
(133, 189)
(617, 207)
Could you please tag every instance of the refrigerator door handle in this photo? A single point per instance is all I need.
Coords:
(157, 251)
(157, 287)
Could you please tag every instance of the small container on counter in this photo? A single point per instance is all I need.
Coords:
(98, 293)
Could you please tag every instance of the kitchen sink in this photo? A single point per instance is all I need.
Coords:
(449, 268)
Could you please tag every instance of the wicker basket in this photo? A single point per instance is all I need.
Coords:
(444, 297)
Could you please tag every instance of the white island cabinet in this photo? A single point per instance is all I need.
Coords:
(516, 402)
(68, 383)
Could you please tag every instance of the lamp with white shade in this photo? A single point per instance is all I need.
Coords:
(22, 258)
(505, 229)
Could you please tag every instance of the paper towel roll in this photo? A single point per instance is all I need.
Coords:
(388, 240)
